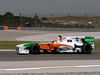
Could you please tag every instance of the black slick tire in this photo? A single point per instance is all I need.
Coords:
(35, 49)
(87, 49)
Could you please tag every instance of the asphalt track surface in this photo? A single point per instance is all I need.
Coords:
(10, 62)
(13, 56)
(33, 35)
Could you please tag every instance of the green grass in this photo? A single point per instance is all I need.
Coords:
(9, 44)
(12, 44)
(97, 45)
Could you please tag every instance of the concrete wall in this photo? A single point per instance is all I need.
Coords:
(70, 73)
(62, 29)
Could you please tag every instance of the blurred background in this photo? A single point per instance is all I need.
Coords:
(57, 20)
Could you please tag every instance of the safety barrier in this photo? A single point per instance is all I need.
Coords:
(62, 29)
(10, 28)
(4, 28)
(1, 28)
(51, 29)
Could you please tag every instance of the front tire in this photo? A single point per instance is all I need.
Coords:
(35, 49)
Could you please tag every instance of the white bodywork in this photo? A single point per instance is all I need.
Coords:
(71, 42)
(21, 49)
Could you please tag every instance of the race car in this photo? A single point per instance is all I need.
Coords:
(62, 45)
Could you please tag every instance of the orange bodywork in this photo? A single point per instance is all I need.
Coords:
(51, 46)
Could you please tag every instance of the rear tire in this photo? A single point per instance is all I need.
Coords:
(87, 49)
(35, 49)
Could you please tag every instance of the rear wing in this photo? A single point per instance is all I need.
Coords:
(90, 40)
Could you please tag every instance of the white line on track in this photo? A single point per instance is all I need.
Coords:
(7, 50)
(56, 67)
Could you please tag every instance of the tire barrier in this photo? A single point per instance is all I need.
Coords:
(1, 28)
(10, 28)
(4, 28)
(51, 29)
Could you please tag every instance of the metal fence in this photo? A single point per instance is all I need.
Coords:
(62, 29)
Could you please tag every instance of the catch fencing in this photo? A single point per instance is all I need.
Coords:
(51, 29)
(62, 29)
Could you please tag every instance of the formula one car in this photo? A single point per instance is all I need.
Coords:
(62, 45)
